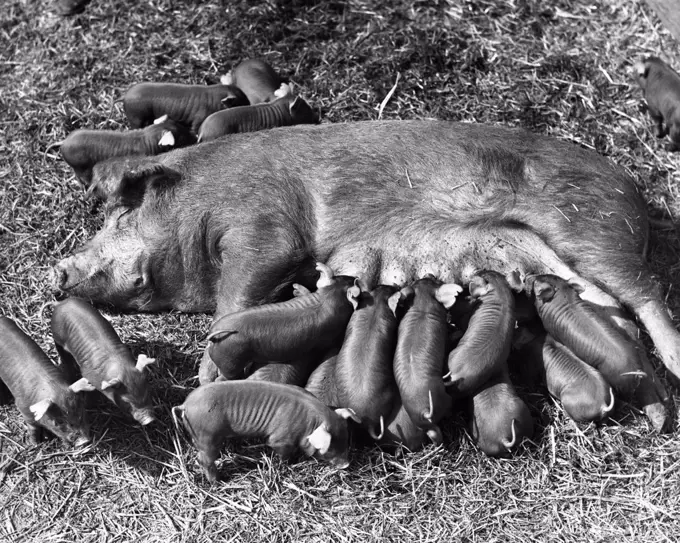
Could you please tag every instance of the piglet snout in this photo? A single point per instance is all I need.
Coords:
(143, 417)
(81, 441)
(340, 462)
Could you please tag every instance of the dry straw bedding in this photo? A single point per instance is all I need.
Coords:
(558, 68)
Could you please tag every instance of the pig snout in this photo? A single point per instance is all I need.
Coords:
(82, 440)
(144, 416)
(340, 462)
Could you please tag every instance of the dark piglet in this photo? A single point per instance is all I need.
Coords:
(83, 337)
(289, 417)
(40, 390)
(82, 149)
(285, 331)
(500, 419)
(661, 86)
(591, 337)
(421, 351)
(258, 81)
(364, 369)
(582, 390)
(186, 104)
(486, 343)
(285, 111)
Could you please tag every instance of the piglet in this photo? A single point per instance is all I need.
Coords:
(500, 419)
(421, 350)
(82, 149)
(83, 337)
(284, 331)
(258, 81)
(189, 105)
(486, 343)
(661, 86)
(582, 390)
(321, 383)
(285, 111)
(289, 417)
(41, 392)
(363, 372)
(591, 337)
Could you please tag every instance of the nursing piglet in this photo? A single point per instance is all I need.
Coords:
(500, 419)
(84, 337)
(321, 383)
(661, 86)
(590, 336)
(284, 331)
(364, 372)
(258, 81)
(285, 111)
(40, 390)
(486, 343)
(421, 351)
(288, 417)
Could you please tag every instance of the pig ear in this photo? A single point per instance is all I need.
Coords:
(113, 383)
(580, 288)
(326, 278)
(353, 294)
(447, 294)
(135, 182)
(300, 290)
(284, 90)
(641, 69)
(143, 361)
(393, 302)
(82, 385)
(161, 119)
(227, 79)
(514, 279)
(544, 291)
(39, 409)
(295, 104)
(320, 439)
(167, 139)
(347, 413)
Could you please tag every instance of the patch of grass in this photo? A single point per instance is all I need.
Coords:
(559, 68)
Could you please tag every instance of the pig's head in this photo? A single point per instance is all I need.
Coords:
(64, 414)
(329, 440)
(129, 391)
(547, 288)
(116, 265)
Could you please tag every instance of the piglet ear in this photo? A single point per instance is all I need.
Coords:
(393, 302)
(580, 288)
(347, 413)
(300, 290)
(640, 69)
(227, 79)
(544, 291)
(167, 139)
(143, 361)
(161, 119)
(284, 90)
(320, 439)
(326, 278)
(447, 294)
(514, 279)
(39, 409)
(113, 383)
(353, 294)
(81, 385)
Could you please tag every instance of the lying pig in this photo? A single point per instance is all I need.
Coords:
(83, 337)
(594, 339)
(258, 81)
(287, 416)
(286, 330)
(485, 345)
(82, 149)
(500, 419)
(421, 351)
(228, 225)
(40, 390)
(582, 390)
(285, 111)
(189, 105)
(363, 371)
(661, 85)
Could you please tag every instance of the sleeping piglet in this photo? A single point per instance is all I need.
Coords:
(287, 330)
(82, 149)
(500, 419)
(289, 417)
(258, 81)
(421, 350)
(40, 389)
(574, 323)
(83, 337)
(486, 343)
(363, 372)
(285, 111)
(661, 86)
(189, 105)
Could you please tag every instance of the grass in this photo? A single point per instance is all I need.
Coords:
(560, 68)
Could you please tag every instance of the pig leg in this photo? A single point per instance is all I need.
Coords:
(36, 433)
(660, 131)
(675, 138)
